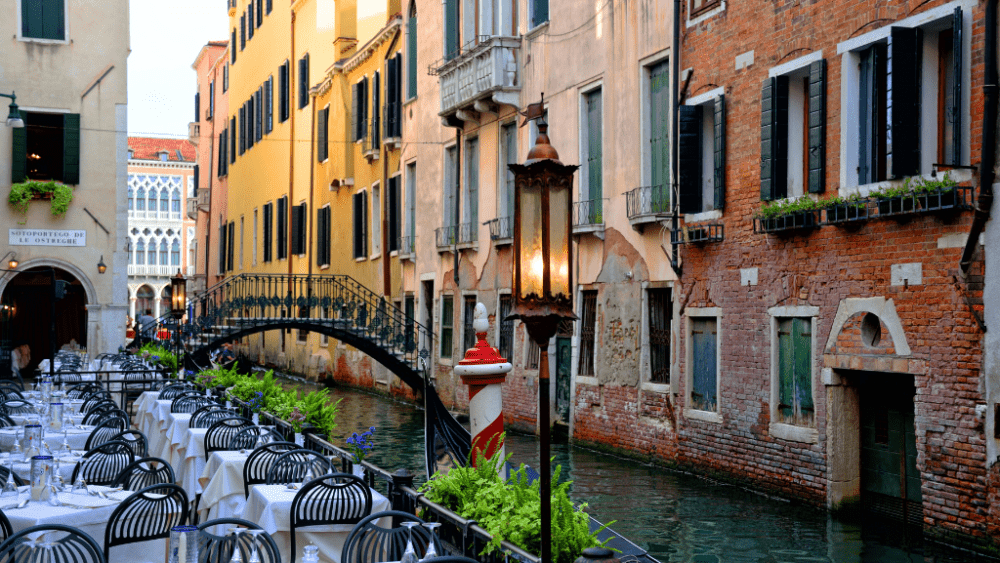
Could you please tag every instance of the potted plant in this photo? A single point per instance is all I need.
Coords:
(842, 209)
(59, 196)
(297, 420)
(360, 445)
(895, 199)
(936, 194)
(801, 213)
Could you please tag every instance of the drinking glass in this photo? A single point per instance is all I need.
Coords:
(255, 554)
(237, 553)
(431, 550)
(409, 554)
(9, 487)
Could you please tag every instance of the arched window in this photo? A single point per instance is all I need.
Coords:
(140, 202)
(144, 299)
(165, 299)
(175, 253)
(140, 252)
(175, 201)
(163, 253)
(164, 206)
(131, 197)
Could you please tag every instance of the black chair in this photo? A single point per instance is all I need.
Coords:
(190, 403)
(11, 387)
(69, 545)
(5, 527)
(145, 472)
(370, 542)
(335, 498)
(104, 405)
(146, 515)
(105, 432)
(94, 399)
(449, 559)
(6, 421)
(260, 461)
(292, 467)
(136, 440)
(170, 392)
(246, 439)
(4, 470)
(221, 433)
(8, 391)
(68, 375)
(95, 418)
(208, 415)
(83, 390)
(16, 406)
(219, 549)
(103, 464)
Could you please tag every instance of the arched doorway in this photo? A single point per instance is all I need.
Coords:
(144, 298)
(164, 301)
(26, 300)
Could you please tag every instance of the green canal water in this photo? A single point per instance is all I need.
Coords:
(676, 516)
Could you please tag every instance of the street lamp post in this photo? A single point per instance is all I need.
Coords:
(178, 304)
(14, 119)
(543, 280)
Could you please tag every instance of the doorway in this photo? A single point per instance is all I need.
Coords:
(890, 482)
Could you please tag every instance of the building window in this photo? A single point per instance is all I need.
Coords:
(359, 109)
(164, 253)
(232, 47)
(323, 236)
(298, 230)
(376, 106)
(268, 226)
(660, 316)
(393, 97)
(470, 213)
(46, 148)
(447, 325)
(452, 29)
(411, 208)
(283, 91)
(241, 244)
(701, 154)
(322, 128)
(250, 21)
(508, 155)
(702, 361)
(269, 105)
(43, 19)
(376, 219)
(175, 253)
(253, 245)
(591, 147)
(360, 225)
(795, 396)
(699, 7)
(394, 211)
(282, 227)
(304, 81)
(164, 202)
(140, 200)
(539, 12)
(243, 31)
(793, 131)
(222, 249)
(411, 52)
(232, 142)
(258, 102)
(225, 78)
(230, 262)
(468, 315)
(657, 170)
(450, 199)
(175, 201)
(588, 326)
(260, 12)
(505, 336)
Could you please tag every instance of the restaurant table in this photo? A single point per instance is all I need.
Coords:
(66, 464)
(77, 437)
(222, 486)
(270, 507)
(187, 458)
(89, 514)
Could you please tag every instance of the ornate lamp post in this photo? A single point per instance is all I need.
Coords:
(543, 280)
(178, 304)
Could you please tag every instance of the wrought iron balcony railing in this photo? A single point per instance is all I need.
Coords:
(694, 234)
(463, 234)
(501, 230)
(406, 245)
(483, 71)
(588, 216)
(647, 204)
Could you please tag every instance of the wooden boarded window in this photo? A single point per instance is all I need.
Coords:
(795, 400)
(268, 230)
(704, 350)
(660, 313)
(531, 354)
(588, 326)
(468, 315)
(505, 338)
(447, 325)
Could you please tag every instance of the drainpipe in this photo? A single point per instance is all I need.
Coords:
(675, 50)
(291, 147)
(458, 192)
(988, 147)
(312, 188)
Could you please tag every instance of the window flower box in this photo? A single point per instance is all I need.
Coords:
(23, 193)
(847, 212)
(795, 220)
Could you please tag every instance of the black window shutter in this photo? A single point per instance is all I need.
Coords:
(268, 225)
(232, 244)
(364, 110)
(19, 154)
(232, 48)
(260, 12)
(250, 18)
(282, 228)
(222, 154)
(394, 214)
(71, 148)
(269, 102)
(817, 126)
(354, 112)
(376, 93)
(197, 178)
(197, 106)
(296, 223)
(243, 130)
(689, 149)
(397, 113)
(774, 138)
(390, 96)
(222, 248)
(248, 105)
(232, 140)
(956, 117)
(905, 45)
(269, 6)
(259, 103)
(719, 146)
(321, 132)
(358, 253)
(243, 31)
(300, 233)
(364, 224)
(319, 237)
(304, 81)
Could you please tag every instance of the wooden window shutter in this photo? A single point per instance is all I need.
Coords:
(232, 140)
(197, 178)
(364, 109)
(689, 150)
(719, 146)
(243, 31)
(71, 148)
(395, 207)
(451, 29)
(19, 154)
(319, 237)
(269, 95)
(358, 225)
(956, 116)
(232, 48)
(397, 112)
(301, 231)
(221, 153)
(268, 226)
(197, 106)
(364, 224)
(250, 18)
(304, 81)
(222, 249)
(774, 138)
(355, 118)
(390, 96)
(321, 135)
(259, 111)
(376, 104)
(411, 57)
(541, 12)
(905, 45)
(260, 12)
(231, 246)
(250, 120)
(296, 224)
(595, 150)
(817, 126)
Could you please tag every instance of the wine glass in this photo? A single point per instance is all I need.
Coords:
(255, 554)
(237, 552)
(9, 487)
(431, 550)
(409, 554)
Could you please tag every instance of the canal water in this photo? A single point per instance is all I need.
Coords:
(676, 516)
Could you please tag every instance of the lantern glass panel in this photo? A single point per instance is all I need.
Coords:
(532, 261)
(559, 240)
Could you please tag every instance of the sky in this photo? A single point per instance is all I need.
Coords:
(161, 82)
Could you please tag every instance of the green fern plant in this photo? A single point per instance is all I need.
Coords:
(21, 194)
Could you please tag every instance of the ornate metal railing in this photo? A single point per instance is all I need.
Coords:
(406, 246)
(648, 200)
(463, 233)
(588, 212)
(501, 228)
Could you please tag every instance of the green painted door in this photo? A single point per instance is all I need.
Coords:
(890, 483)
(564, 363)
(659, 137)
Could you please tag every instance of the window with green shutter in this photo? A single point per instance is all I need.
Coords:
(471, 185)
(53, 140)
(593, 183)
(659, 137)
(447, 325)
(322, 146)
(411, 53)
(43, 19)
(795, 397)
(539, 12)
(452, 41)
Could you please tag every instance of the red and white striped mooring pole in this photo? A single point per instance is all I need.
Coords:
(484, 371)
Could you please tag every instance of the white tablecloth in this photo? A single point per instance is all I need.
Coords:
(222, 486)
(92, 521)
(188, 460)
(66, 464)
(76, 437)
(270, 507)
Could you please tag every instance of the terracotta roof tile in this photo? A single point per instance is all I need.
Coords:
(148, 148)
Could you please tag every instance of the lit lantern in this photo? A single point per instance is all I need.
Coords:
(178, 295)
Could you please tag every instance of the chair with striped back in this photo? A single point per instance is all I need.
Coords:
(335, 498)
(294, 466)
(136, 440)
(68, 545)
(220, 434)
(105, 432)
(96, 417)
(103, 464)
(143, 473)
(260, 461)
(170, 392)
(16, 407)
(246, 439)
(219, 549)
(370, 542)
(190, 402)
(148, 514)
(208, 415)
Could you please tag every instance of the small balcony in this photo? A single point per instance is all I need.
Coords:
(462, 236)
(481, 76)
(406, 248)
(204, 200)
(151, 270)
(698, 233)
(153, 215)
(501, 230)
(588, 217)
(647, 204)
(370, 144)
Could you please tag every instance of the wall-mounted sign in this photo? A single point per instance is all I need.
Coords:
(47, 237)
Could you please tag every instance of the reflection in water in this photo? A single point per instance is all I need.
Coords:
(677, 517)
